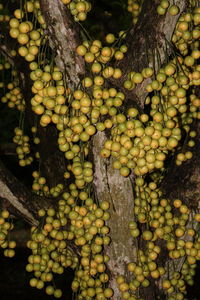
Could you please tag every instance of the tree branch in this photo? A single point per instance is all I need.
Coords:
(144, 40)
(63, 38)
(20, 197)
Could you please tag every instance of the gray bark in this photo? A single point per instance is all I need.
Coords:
(110, 186)
(64, 38)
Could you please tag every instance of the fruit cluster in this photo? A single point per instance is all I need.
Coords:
(5, 227)
(23, 147)
(4, 17)
(165, 7)
(76, 219)
(11, 91)
(134, 7)
(159, 219)
(78, 8)
(24, 31)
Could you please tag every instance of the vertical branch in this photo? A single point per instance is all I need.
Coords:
(64, 38)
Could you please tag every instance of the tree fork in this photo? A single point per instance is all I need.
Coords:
(146, 40)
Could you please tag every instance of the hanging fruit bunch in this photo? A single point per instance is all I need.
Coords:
(5, 227)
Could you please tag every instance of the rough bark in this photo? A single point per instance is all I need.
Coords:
(64, 39)
(110, 186)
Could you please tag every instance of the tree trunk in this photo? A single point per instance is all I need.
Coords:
(111, 186)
